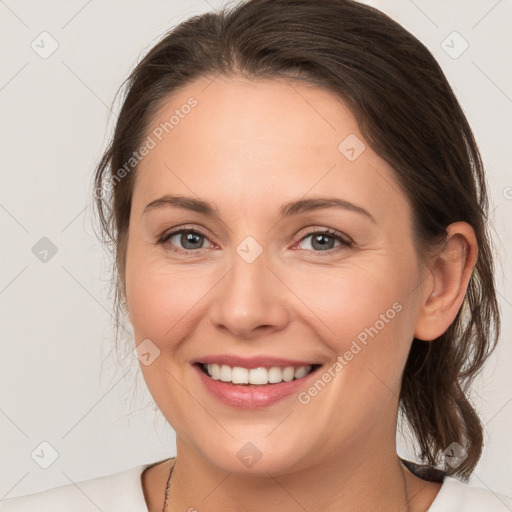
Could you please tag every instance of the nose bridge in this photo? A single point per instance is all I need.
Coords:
(249, 295)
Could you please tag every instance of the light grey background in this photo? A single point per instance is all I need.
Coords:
(60, 381)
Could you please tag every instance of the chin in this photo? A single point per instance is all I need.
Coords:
(256, 455)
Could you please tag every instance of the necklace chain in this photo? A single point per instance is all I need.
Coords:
(169, 478)
(168, 486)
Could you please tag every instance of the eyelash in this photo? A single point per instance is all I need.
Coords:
(344, 243)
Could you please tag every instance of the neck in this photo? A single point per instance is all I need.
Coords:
(366, 478)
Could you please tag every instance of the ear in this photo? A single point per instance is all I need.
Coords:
(446, 287)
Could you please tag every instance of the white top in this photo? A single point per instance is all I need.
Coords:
(122, 492)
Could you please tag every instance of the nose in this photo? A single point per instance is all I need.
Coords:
(250, 301)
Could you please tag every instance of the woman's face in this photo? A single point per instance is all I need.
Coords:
(259, 288)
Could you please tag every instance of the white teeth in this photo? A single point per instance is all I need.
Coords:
(302, 371)
(288, 373)
(275, 375)
(214, 371)
(239, 375)
(225, 373)
(258, 376)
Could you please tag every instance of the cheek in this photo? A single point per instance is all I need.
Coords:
(162, 298)
(355, 301)
(365, 314)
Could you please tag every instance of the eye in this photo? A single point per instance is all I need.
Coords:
(190, 240)
(323, 240)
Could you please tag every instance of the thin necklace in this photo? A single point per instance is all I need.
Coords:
(167, 487)
(169, 478)
(407, 504)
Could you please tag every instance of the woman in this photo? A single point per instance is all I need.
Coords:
(298, 210)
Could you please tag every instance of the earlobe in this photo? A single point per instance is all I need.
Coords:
(451, 271)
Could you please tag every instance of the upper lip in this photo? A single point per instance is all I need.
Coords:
(251, 362)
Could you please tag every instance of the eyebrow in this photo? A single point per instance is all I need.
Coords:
(286, 210)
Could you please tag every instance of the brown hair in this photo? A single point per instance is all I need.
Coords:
(408, 114)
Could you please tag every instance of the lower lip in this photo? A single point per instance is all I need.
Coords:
(249, 396)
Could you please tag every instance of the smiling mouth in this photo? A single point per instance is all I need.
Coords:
(260, 376)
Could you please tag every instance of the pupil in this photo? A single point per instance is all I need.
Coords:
(190, 238)
(321, 239)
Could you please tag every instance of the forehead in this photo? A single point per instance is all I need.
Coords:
(234, 140)
(260, 118)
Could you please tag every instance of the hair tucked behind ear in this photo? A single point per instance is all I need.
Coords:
(409, 115)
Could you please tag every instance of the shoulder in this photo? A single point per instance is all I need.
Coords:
(458, 496)
(121, 491)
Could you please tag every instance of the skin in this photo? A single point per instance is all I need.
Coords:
(248, 147)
